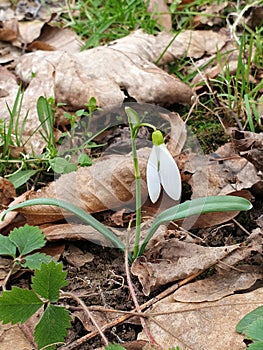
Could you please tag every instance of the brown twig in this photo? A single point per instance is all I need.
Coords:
(86, 310)
(130, 314)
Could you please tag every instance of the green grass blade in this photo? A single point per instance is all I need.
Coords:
(196, 206)
(80, 213)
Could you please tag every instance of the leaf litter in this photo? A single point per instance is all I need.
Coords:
(168, 259)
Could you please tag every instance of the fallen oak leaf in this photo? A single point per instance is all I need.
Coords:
(188, 325)
(219, 285)
(250, 146)
(171, 260)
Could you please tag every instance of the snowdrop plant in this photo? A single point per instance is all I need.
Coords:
(161, 171)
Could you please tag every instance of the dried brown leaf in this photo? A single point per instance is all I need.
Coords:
(219, 285)
(161, 12)
(221, 172)
(76, 257)
(206, 326)
(170, 260)
(250, 146)
(12, 337)
(173, 260)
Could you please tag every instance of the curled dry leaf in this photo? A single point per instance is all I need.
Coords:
(221, 172)
(188, 325)
(12, 337)
(250, 146)
(219, 285)
(105, 71)
(172, 260)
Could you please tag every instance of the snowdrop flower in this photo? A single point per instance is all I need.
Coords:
(162, 170)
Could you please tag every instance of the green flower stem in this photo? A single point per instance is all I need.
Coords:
(138, 198)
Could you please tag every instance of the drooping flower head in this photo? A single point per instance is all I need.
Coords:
(162, 170)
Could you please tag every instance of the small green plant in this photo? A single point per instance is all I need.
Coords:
(20, 244)
(252, 326)
(196, 206)
(18, 305)
(102, 21)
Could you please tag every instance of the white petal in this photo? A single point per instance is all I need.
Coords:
(152, 176)
(169, 174)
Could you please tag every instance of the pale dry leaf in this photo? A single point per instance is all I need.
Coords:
(221, 172)
(253, 245)
(219, 285)
(173, 260)
(7, 192)
(169, 260)
(250, 146)
(12, 337)
(210, 15)
(91, 188)
(161, 13)
(55, 38)
(76, 257)
(202, 326)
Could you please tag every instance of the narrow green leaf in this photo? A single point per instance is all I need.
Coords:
(17, 305)
(255, 330)
(52, 328)
(27, 238)
(34, 261)
(48, 280)
(7, 247)
(256, 346)
(114, 347)
(196, 206)
(21, 177)
(45, 114)
(248, 319)
(80, 213)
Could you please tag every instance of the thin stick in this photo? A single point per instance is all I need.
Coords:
(86, 310)
(128, 315)
(134, 298)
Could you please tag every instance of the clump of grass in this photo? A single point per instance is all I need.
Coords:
(99, 22)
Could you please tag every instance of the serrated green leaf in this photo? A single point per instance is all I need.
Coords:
(21, 177)
(248, 319)
(52, 328)
(48, 280)
(17, 305)
(27, 238)
(255, 330)
(7, 247)
(34, 261)
(114, 347)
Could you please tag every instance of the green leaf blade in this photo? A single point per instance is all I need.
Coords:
(52, 328)
(27, 238)
(20, 178)
(114, 347)
(48, 280)
(18, 305)
(255, 330)
(34, 261)
(248, 319)
(203, 205)
(196, 206)
(7, 247)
